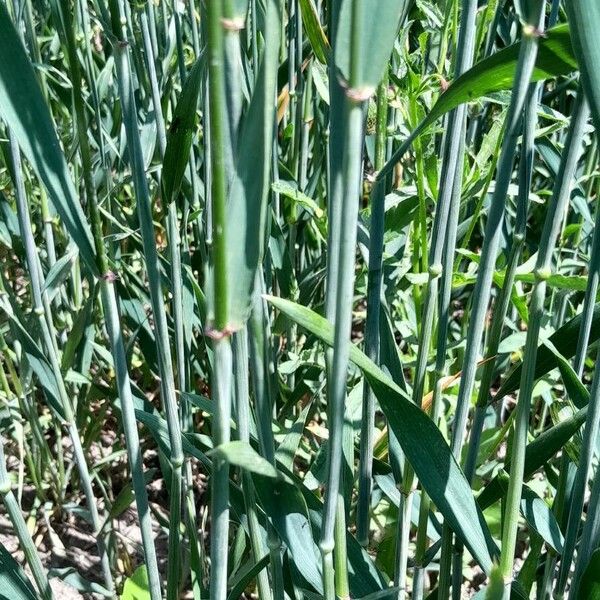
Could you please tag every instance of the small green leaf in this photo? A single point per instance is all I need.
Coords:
(243, 455)
(291, 191)
(137, 587)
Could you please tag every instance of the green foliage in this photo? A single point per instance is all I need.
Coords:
(306, 291)
(136, 587)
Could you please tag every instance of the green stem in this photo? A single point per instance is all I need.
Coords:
(222, 343)
(560, 198)
(341, 346)
(372, 323)
(49, 338)
(165, 365)
(240, 369)
(20, 527)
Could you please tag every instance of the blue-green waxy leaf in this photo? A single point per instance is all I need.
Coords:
(240, 8)
(242, 454)
(286, 507)
(379, 21)
(415, 432)
(584, 19)
(23, 108)
(250, 186)
(13, 581)
(539, 516)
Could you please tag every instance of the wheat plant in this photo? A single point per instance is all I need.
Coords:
(298, 299)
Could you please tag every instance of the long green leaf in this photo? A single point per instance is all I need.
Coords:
(564, 341)
(314, 31)
(421, 440)
(538, 452)
(181, 133)
(13, 581)
(555, 57)
(23, 108)
(250, 186)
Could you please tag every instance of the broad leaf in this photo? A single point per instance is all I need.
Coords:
(137, 587)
